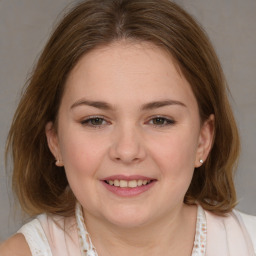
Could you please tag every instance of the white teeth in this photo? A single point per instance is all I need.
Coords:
(140, 182)
(128, 184)
(123, 183)
(144, 182)
(116, 183)
(132, 184)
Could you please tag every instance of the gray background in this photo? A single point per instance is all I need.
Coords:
(231, 24)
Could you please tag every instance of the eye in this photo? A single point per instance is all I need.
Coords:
(161, 121)
(94, 122)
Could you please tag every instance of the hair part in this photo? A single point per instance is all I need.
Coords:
(43, 187)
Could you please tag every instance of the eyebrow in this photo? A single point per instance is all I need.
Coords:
(106, 106)
(95, 104)
(159, 104)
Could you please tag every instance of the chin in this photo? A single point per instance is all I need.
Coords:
(128, 218)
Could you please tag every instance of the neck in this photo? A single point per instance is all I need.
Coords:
(164, 236)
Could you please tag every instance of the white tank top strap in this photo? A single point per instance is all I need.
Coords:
(52, 236)
(248, 223)
(36, 238)
(228, 236)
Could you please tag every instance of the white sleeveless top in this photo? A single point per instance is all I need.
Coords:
(52, 236)
(234, 235)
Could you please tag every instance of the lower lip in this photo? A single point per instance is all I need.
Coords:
(128, 192)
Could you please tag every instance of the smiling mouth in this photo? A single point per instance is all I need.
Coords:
(128, 184)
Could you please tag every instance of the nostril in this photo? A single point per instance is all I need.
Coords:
(126, 152)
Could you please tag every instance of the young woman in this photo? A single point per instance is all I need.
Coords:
(124, 142)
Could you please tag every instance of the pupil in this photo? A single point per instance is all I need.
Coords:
(97, 121)
(158, 121)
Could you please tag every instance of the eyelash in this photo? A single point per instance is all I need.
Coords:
(167, 121)
(88, 121)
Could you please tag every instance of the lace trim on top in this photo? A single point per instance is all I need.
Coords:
(199, 248)
(87, 248)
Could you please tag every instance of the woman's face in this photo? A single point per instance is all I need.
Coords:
(129, 134)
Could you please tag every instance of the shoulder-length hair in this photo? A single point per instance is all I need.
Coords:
(43, 187)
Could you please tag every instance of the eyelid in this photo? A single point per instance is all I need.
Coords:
(169, 120)
(85, 121)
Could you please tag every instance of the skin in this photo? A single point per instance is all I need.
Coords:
(15, 246)
(128, 139)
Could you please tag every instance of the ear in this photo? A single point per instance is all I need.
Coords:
(205, 141)
(53, 142)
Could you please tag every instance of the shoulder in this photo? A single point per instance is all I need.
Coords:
(249, 222)
(15, 246)
(35, 236)
(234, 232)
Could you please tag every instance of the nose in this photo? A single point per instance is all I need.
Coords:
(127, 146)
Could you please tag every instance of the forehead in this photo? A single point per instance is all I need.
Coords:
(127, 70)
(119, 55)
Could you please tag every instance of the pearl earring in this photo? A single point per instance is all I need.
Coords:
(201, 161)
(58, 163)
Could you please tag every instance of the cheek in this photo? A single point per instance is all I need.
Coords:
(175, 156)
(82, 158)
(80, 154)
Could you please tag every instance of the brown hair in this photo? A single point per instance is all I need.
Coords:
(43, 187)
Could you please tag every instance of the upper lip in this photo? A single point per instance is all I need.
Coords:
(128, 178)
